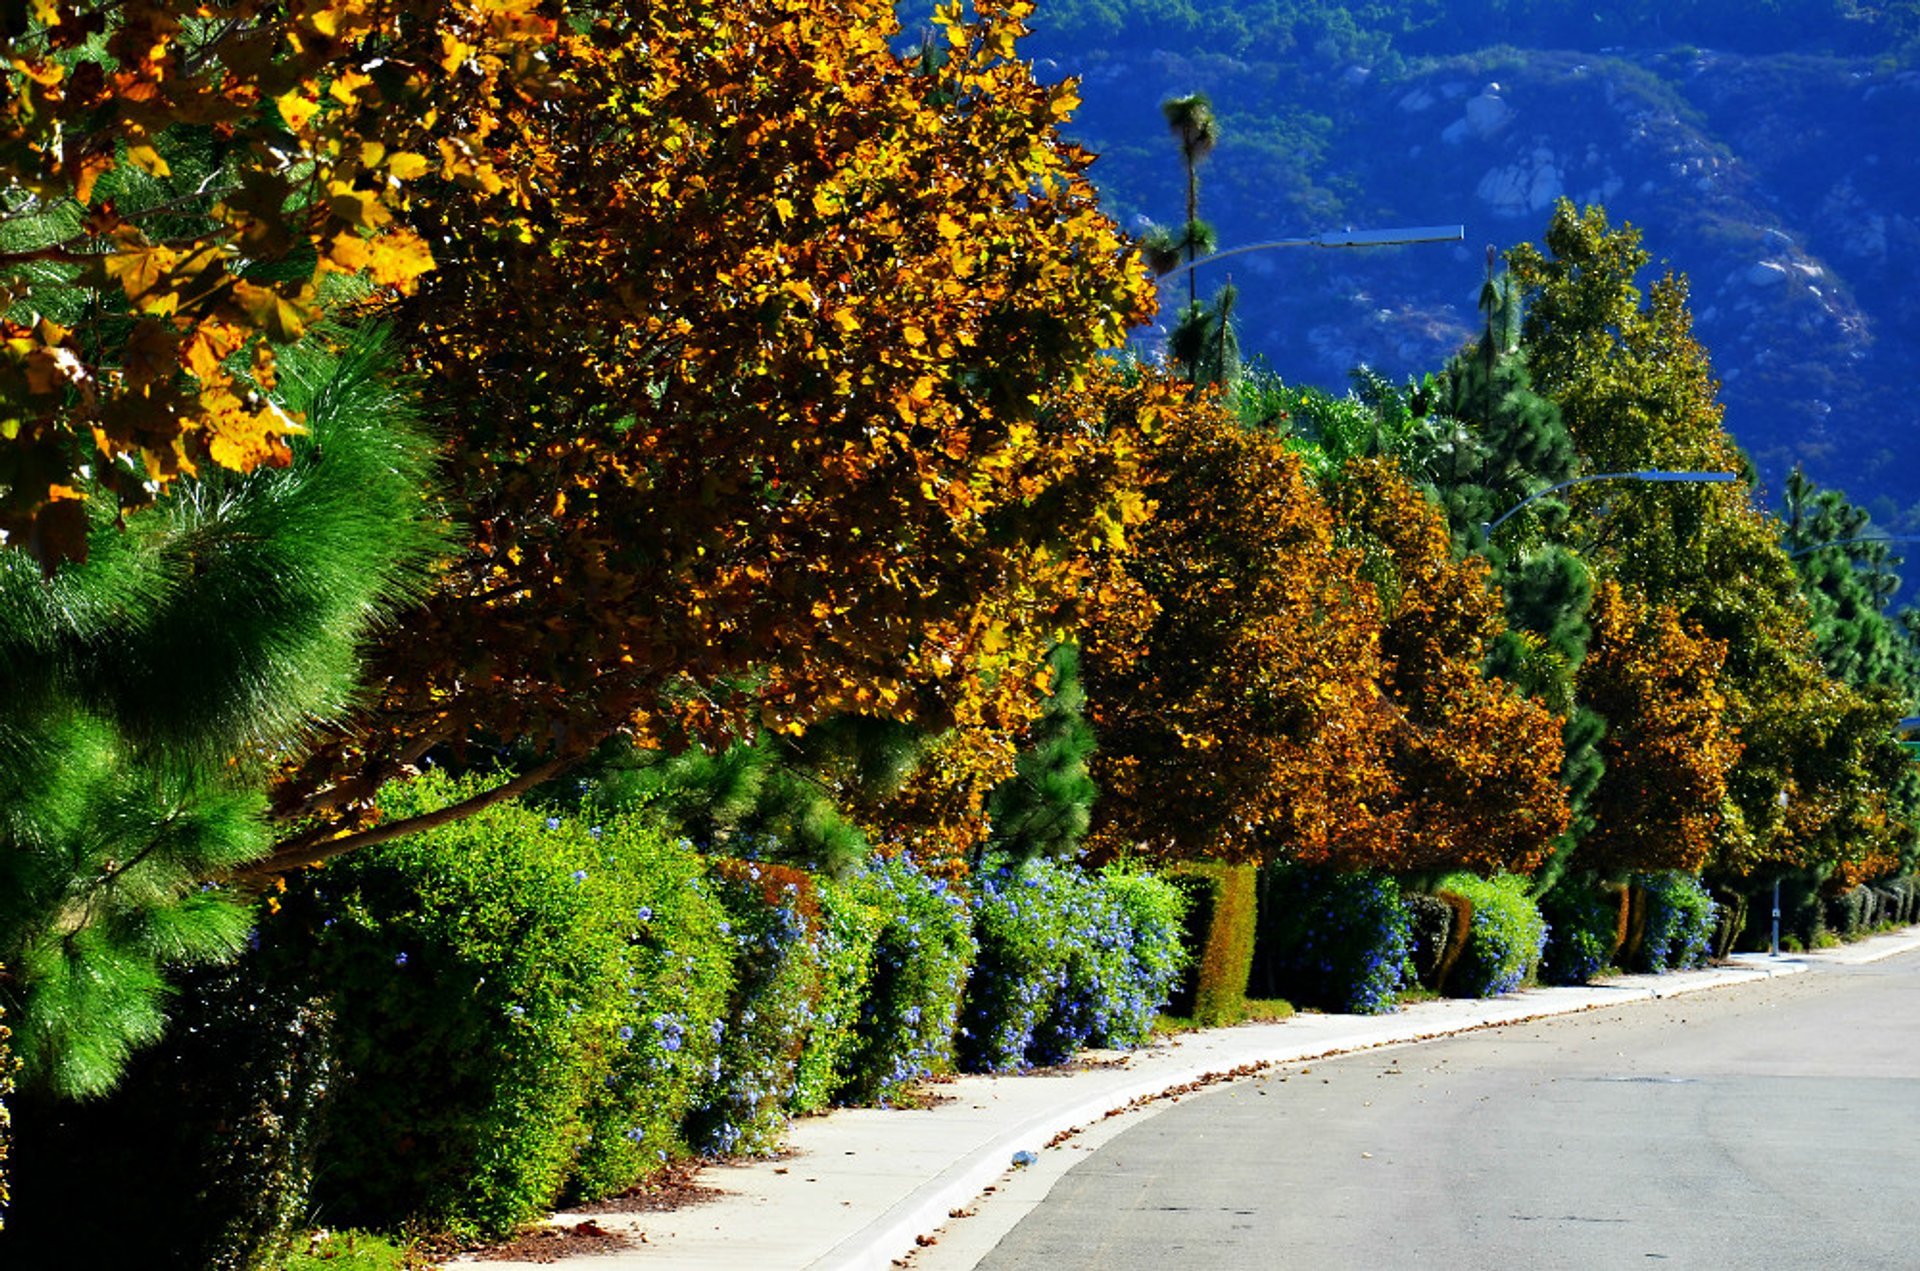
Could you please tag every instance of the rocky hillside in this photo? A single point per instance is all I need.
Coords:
(1786, 187)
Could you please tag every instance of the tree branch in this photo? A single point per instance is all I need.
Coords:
(311, 849)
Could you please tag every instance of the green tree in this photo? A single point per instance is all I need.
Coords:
(1637, 391)
(154, 690)
(1045, 808)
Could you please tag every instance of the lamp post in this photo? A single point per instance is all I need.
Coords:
(1346, 238)
(1847, 542)
(1650, 474)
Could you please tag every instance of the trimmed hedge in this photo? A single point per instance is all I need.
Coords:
(1678, 927)
(520, 999)
(6, 1121)
(849, 927)
(1336, 940)
(1505, 937)
(777, 983)
(1221, 908)
(1067, 959)
(205, 1147)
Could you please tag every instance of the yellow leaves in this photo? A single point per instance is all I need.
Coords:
(210, 344)
(784, 209)
(397, 259)
(140, 268)
(143, 156)
(362, 208)
(283, 319)
(406, 166)
(296, 110)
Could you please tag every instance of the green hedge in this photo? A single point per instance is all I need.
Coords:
(518, 998)
(1335, 940)
(849, 924)
(205, 1148)
(1221, 906)
(1583, 929)
(778, 982)
(1505, 935)
(921, 959)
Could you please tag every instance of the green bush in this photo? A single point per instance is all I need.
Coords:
(1335, 940)
(1505, 936)
(1679, 922)
(1583, 922)
(921, 959)
(1852, 913)
(501, 995)
(676, 978)
(6, 1122)
(1155, 912)
(849, 929)
(206, 1144)
(1067, 959)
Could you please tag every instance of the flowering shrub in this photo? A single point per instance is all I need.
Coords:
(1155, 912)
(1505, 938)
(1067, 959)
(849, 931)
(1583, 924)
(1337, 940)
(1680, 918)
(920, 962)
(777, 984)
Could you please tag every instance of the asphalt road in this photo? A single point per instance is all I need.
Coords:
(1770, 1125)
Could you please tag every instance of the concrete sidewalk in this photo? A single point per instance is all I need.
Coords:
(859, 1186)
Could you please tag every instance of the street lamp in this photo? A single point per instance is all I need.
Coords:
(1347, 238)
(1846, 542)
(1650, 474)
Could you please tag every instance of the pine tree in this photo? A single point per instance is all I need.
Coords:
(154, 690)
(1046, 807)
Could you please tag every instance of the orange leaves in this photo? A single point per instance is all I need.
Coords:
(1669, 745)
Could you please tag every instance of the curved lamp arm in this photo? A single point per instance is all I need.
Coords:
(1651, 474)
(1864, 538)
(1345, 238)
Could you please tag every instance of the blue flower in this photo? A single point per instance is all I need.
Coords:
(579, 875)
(400, 959)
(553, 823)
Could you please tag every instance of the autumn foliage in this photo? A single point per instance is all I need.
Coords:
(773, 411)
(183, 187)
(1476, 762)
(1669, 745)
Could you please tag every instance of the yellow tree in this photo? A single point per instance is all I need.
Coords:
(1250, 722)
(1669, 747)
(760, 373)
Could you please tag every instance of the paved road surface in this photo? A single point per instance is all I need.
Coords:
(1768, 1125)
